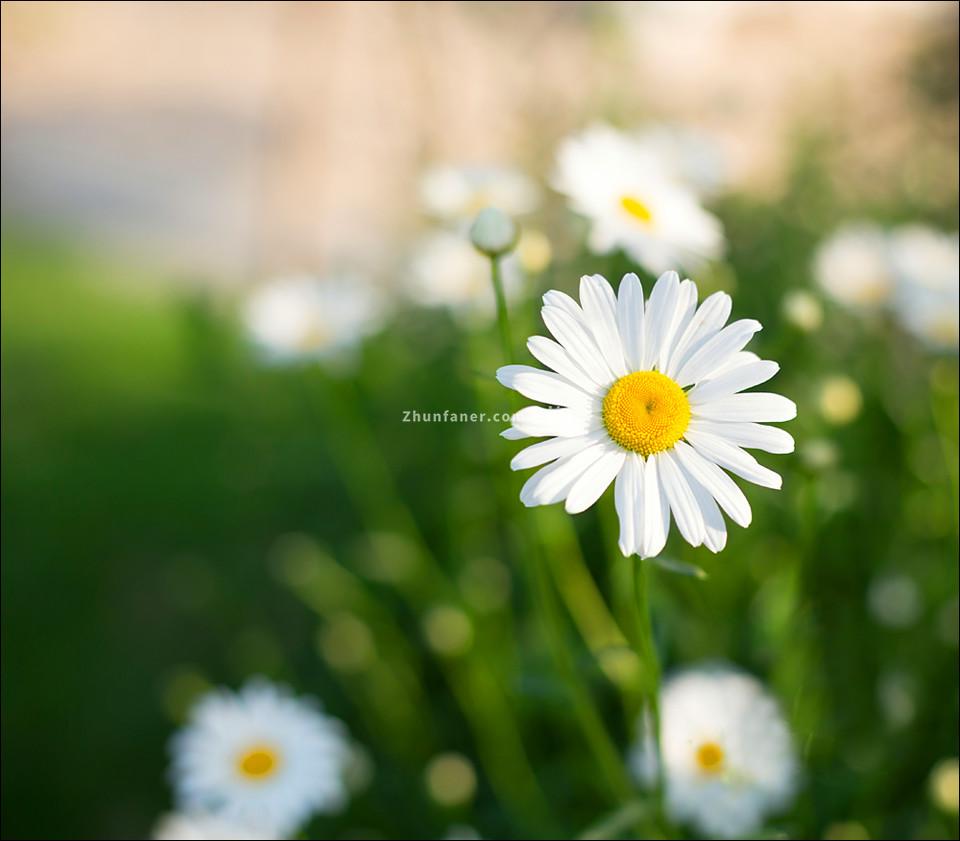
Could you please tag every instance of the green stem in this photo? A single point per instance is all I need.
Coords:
(503, 318)
(651, 672)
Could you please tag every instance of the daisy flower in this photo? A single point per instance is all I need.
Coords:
(694, 158)
(728, 759)
(649, 395)
(457, 194)
(201, 827)
(260, 758)
(853, 266)
(305, 317)
(926, 265)
(632, 202)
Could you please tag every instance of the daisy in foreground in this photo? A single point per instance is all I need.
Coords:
(261, 759)
(728, 759)
(649, 395)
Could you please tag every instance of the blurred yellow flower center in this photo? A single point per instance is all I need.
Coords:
(710, 758)
(637, 209)
(646, 412)
(258, 763)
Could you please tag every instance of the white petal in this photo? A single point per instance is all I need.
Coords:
(630, 321)
(552, 354)
(553, 448)
(732, 381)
(705, 324)
(683, 504)
(718, 483)
(755, 436)
(539, 422)
(733, 458)
(661, 311)
(628, 498)
(600, 311)
(686, 305)
(656, 511)
(556, 298)
(757, 406)
(594, 481)
(578, 343)
(715, 351)
(545, 386)
(552, 483)
(512, 434)
(714, 528)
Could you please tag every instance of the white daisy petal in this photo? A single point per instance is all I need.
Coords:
(628, 498)
(715, 351)
(707, 321)
(595, 480)
(742, 357)
(686, 306)
(718, 483)
(600, 312)
(544, 387)
(683, 504)
(630, 321)
(730, 382)
(552, 483)
(538, 422)
(656, 511)
(512, 434)
(661, 313)
(757, 406)
(714, 528)
(553, 355)
(578, 343)
(754, 436)
(561, 300)
(554, 448)
(730, 456)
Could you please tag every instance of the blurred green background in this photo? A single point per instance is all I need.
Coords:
(177, 514)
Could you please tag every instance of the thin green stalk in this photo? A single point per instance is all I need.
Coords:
(651, 672)
(503, 318)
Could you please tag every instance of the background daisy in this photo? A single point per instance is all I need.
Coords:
(306, 317)
(633, 202)
(260, 758)
(728, 758)
(650, 394)
(458, 193)
(203, 827)
(853, 266)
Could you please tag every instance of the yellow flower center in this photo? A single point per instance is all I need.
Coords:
(710, 758)
(637, 209)
(646, 412)
(258, 762)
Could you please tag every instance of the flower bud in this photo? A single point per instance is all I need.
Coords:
(493, 233)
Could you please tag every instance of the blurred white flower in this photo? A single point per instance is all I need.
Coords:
(201, 827)
(305, 317)
(260, 758)
(448, 271)
(692, 157)
(633, 202)
(457, 194)
(853, 266)
(653, 398)
(926, 264)
(728, 759)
